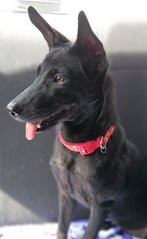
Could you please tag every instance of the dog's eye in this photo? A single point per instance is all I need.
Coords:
(58, 79)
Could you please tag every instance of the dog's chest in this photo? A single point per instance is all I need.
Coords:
(71, 180)
(78, 178)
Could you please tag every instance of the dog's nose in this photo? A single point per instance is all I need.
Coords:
(13, 109)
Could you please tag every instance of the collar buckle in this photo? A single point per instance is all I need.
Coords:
(84, 149)
(88, 147)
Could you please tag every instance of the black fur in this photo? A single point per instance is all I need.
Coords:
(73, 90)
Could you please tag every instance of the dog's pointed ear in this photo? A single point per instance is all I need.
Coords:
(53, 37)
(86, 39)
(88, 45)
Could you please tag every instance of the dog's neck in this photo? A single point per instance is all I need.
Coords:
(97, 123)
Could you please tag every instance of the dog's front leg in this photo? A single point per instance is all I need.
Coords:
(96, 220)
(66, 209)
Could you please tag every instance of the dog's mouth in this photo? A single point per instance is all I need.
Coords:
(34, 127)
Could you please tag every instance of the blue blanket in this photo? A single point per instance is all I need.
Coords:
(77, 230)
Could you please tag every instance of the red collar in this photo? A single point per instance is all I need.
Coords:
(88, 147)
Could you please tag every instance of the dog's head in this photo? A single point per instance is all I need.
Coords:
(68, 81)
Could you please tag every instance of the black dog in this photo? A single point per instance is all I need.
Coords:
(93, 162)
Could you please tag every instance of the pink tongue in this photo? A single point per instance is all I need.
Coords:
(31, 130)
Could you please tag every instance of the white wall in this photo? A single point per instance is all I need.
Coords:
(121, 25)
